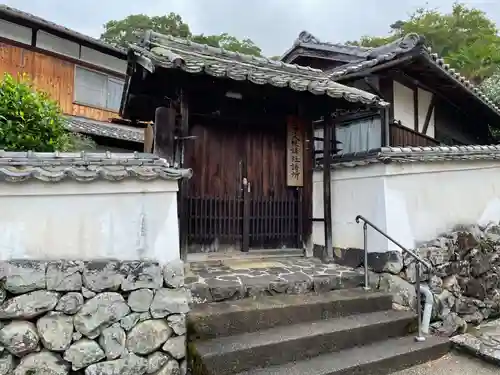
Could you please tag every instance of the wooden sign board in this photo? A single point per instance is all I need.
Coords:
(295, 153)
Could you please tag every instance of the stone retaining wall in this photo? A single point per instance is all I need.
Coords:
(465, 278)
(92, 318)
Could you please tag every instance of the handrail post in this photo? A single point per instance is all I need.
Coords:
(365, 248)
(419, 337)
(418, 261)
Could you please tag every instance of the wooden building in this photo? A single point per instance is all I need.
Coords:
(431, 103)
(244, 125)
(84, 75)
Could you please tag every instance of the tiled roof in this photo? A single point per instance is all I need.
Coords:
(416, 154)
(379, 55)
(16, 13)
(165, 51)
(403, 46)
(368, 57)
(307, 40)
(105, 129)
(85, 167)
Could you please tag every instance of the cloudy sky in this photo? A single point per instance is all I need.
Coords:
(272, 24)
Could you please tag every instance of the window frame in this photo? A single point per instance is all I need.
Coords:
(108, 78)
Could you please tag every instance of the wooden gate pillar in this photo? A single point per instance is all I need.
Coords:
(164, 133)
(328, 129)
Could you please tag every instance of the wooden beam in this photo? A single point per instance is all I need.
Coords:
(415, 108)
(384, 127)
(327, 183)
(183, 185)
(432, 104)
(164, 133)
(386, 84)
(375, 90)
(184, 126)
(148, 138)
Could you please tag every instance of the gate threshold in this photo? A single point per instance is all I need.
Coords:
(239, 255)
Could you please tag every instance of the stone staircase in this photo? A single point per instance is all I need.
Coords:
(348, 331)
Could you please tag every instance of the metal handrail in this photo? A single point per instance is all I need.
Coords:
(411, 253)
(418, 260)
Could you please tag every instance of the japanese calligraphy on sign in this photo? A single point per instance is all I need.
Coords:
(295, 153)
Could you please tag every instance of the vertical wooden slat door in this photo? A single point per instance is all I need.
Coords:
(274, 207)
(238, 197)
(214, 198)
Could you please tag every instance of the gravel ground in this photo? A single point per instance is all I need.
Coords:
(453, 364)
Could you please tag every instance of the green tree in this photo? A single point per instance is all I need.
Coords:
(465, 37)
(129, 30)
(229, 42)
(30, 120)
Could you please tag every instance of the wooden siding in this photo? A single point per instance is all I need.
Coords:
(225, 152)
(51, 74)
(402, 136)
(220, 210)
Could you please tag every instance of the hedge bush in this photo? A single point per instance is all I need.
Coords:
(30, 120)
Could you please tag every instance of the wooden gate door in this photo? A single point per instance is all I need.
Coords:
(213, 199)
(272, 211)
(237, 198)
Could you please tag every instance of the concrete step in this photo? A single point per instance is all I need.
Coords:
(279, 345)
(375, 359)
(221, 319)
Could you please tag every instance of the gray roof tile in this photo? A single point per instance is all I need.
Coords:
(407, 44)
(170, 52)
(307, 40)
(416, 155)
(85, 167)
(105, 129)
(368, 57)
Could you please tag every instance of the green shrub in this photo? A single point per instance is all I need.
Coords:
(30, 120)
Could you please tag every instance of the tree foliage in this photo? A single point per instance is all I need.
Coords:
(465, 37)
(30, 120)
(129, 30)
(491, 87)
(229, 42)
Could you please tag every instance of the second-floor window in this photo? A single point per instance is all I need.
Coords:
(97, 89)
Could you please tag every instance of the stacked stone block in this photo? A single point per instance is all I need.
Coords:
(92, 317)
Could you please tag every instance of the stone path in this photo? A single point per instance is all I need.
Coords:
(452, 364)
(482, 341)
(232, 280)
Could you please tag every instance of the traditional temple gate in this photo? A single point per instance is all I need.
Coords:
(244, 125)
(243, 198)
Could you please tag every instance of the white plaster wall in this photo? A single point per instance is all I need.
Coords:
(355, 191)
(427, 199)
(412, 202)
(53, 43)
(403, 105)
(403, 108)
(100, 59)
(126, 220)
(15, 32)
